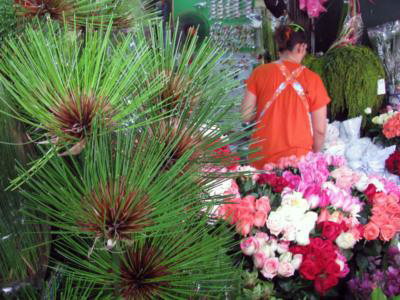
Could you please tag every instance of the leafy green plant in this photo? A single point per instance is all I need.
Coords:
(351, 77)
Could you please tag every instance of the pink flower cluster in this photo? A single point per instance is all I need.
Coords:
(246, 213)
(270, 256)
(345, 177)
(391, 128)
(385, 220)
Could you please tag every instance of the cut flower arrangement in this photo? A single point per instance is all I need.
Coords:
(309, 227)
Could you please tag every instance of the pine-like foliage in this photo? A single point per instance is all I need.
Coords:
(129, 129)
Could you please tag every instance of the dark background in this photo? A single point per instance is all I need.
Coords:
(373, 13)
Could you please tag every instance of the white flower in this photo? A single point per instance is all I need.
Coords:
(297, 260)
(362, 183)
(303, 238)
(274, 223)
(296, 200)
(286, 257)
(340, 264)
(289, 232)
(346, 240)
(267, 251)
(368, 111)
(309, 220)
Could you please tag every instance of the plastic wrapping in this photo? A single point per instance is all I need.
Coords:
(351, 32)
(385, 39)
(343, 138)
(350, 129)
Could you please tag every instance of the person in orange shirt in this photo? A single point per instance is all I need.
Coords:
(287, 102)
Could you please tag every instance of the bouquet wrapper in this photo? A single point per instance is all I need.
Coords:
(350, 129)
(357, 148)
(374, 159)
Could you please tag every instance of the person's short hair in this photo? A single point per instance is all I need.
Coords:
(288, 36)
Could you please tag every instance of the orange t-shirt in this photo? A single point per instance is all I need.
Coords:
(285, 129)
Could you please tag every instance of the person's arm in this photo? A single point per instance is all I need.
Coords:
(248, 108)
(318, 118)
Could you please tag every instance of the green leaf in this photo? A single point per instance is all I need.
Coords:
(377, 294)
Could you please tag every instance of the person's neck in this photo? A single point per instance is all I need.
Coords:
(289, 57)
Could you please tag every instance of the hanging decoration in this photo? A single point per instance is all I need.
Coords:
(313, 7)
(352, 27)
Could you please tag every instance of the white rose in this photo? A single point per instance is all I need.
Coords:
(375, 120)
(368, 111)
(340, 264)
(286, 257)
(308, 221)
(346, 240)
(289, 233)
(273, 244)
(274, 223)
(296, 261)
(303, 238)
(267, 251)
(362, 183)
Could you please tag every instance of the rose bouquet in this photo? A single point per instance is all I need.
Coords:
(307, 226)
(385, 127)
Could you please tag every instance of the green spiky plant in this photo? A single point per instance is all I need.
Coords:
(136, 185)
(23, 245)
(60, 90)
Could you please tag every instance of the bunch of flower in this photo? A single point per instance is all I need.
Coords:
(246, 213)
(387, 280)
(322, 263)
(320, 209)
(385, 220)
(271, 256)
(391, 128)
(393, 163)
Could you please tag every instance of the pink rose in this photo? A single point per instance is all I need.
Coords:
(244, 226)
(262, 205)
(259, 219)
(387, 232)
(249, 246)
(323, 216)
(259, 259)
(283, 247)
(371, 231)
(262, 238)
(270, 269)
(285, 269)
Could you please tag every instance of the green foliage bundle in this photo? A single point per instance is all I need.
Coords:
(8, 18)
(351, 77)
(268, 38)
(125, 127)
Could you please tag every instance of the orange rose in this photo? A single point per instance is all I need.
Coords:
(380, 219)
(379, 199)
(371, 231)
(396, 222)
(387, 232)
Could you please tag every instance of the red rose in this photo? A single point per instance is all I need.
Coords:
(330, 230)
(317, 244)
(324, 283)
(393, 163)
(331, 267)
(299, 250)
(370, 192)
(309, 269)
